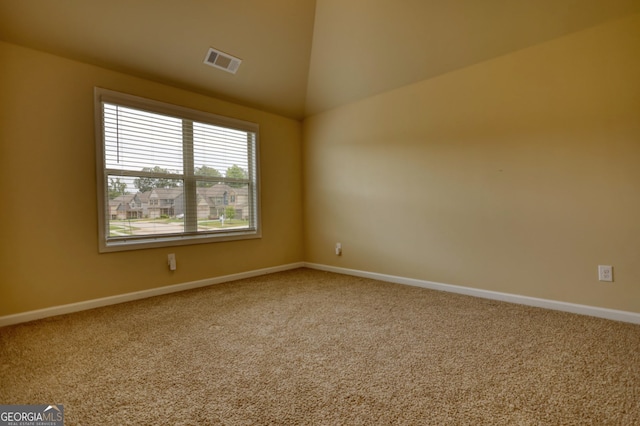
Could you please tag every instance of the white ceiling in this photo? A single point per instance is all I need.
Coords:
(300, 57)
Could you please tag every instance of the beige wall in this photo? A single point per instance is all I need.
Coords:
(49, 247)
(519, 175)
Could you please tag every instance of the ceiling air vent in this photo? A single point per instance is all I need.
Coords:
(223, 61)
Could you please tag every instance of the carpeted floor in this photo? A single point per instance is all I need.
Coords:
(311, 347)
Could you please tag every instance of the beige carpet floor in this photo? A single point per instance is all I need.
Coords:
(317, 348)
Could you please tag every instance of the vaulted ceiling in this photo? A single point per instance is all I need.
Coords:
(300, 57)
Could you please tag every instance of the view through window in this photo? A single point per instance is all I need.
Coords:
(173, 176)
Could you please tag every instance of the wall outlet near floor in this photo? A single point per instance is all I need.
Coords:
(605, 273)
(338, 249)
(171, 260)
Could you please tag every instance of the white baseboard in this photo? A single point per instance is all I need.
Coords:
(128, 297)
(612, 314)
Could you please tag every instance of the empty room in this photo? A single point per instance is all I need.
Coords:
(320, 212)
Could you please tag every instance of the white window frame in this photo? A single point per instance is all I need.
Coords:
(109, 244)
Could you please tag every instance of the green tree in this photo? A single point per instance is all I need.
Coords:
(145, 184)
(206, 171)
(116, 188)
(236, 172)
(229, 213)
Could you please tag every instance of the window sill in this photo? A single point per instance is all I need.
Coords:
(175, 240)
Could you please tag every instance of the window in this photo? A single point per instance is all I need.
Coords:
(176, 167)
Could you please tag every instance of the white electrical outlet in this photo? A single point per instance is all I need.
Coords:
(171, 259)
(338, 249)
(605, 273)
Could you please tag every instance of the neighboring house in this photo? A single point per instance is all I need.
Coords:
(128, 206)
(144, 199)
(212, 203)
(220, 197)
(167, 202)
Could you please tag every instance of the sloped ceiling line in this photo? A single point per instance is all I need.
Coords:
(300, 57)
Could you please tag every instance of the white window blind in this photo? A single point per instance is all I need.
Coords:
(168, 175)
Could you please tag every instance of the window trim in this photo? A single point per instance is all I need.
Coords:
(102, 95)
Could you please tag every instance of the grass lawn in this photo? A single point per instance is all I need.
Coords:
(227, 223)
